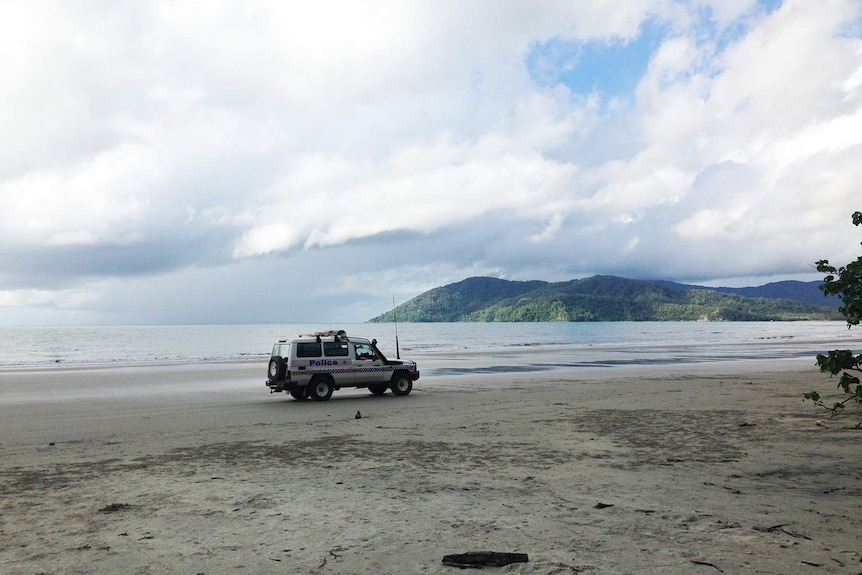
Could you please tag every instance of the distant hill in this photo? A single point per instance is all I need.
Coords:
(611, 298)
(808, 292)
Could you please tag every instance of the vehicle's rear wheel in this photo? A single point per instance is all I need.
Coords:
(401, 384)
(277, 368)
(321, 389)
(377, 389)
(299, 394)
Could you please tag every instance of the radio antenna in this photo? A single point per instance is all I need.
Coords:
(395, 317)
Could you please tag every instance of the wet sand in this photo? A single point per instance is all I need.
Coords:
(702, 468)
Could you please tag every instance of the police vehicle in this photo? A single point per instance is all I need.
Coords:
(316, 364)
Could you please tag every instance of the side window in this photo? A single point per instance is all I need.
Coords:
(364, 351)
(308, 349)
(335, 349)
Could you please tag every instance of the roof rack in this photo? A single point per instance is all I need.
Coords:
(329, 332)
(336, 334)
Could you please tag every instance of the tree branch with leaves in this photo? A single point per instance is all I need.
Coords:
(846, 283)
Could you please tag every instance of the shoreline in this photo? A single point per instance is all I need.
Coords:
(682, 468)
(60, 366)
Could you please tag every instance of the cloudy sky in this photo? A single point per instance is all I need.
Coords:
(223, 161)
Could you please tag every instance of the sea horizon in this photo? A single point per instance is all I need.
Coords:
(522, 345)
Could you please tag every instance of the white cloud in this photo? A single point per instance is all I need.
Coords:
(422, 187)
(193, 136)
(98, 201)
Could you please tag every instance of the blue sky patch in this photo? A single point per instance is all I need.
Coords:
(612, 69)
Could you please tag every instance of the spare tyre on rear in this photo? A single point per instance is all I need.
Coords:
(277, 368)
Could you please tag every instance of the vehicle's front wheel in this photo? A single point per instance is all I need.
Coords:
(299, 394)
(321, 389)
(401, 384)
(377, 389)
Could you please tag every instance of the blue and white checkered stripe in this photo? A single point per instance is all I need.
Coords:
(342, 370)
(375, 369)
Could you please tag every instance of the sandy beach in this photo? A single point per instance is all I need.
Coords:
(196, 469)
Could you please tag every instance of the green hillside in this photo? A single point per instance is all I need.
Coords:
(597, 298)
(454, 302)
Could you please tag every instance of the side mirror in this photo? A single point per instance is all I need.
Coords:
(373, 342)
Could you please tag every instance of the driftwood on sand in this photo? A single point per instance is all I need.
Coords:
(478, 559)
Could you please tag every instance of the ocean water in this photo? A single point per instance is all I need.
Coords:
(445, 348)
